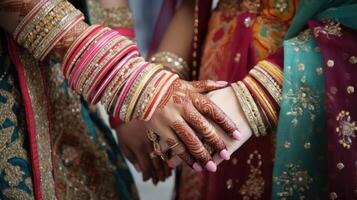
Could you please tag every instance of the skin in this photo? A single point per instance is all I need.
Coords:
(163, 119)
(133, 141)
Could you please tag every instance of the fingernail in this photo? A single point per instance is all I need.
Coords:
(237, 135)
(171, 164)
(224, 154)
(137, 168)
(222, 83)
(197, 167)
(210, 166)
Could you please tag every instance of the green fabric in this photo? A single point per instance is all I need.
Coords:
(300, 168)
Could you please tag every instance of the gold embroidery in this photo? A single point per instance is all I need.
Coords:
(350, 89)
(300, 41)
(293, 181)
(331, 28)
(340, 165)
(304, 100)
(333, 196)
(287, 144)
(346, 129)
(319, 71)
(229, 184)
(253, 187)
(353, 60)
(39, 106)
(11, 146)
(330, 63)
(307, 145)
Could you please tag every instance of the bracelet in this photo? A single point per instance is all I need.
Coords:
(173, 63)
(27, 18)
(243, 100)
(266, 104)
(75, 45)
(161, 92)
(273, 70)
(270, 85)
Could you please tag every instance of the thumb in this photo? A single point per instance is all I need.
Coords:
(206, 85)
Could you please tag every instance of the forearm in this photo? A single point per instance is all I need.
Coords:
(174, 51)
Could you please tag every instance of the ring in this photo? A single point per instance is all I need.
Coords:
(152, 155)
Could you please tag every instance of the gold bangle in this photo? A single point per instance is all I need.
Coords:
(237, 87)
(172, 62)
(270, 85)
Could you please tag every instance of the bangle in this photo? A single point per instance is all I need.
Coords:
(76, 44)
(30, 16)
(57, 34)
(114, 55)
(263, 99)
(152, 69)
(270, 85)
(162, 90)
(243, 99)
(273, 70)
(173, 63)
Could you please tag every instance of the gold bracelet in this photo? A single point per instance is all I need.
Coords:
(270, 85)
(242, 98)
(173, 63)
(118, 17)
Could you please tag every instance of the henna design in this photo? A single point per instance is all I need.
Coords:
(180, 151)
(205, 85)
(191, 141)
(60, 49)
(17, 7)
(200, 124)
(208, 108)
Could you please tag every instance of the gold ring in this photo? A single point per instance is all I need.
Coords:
(152, 155)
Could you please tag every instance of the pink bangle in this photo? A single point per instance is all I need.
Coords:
(159, 96)
(88, 56)
(108, 68)
(128, 32)
(126, 89)
(111, 76)
(79, 47)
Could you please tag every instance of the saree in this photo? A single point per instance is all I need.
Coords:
(53, 145)
(258, 27)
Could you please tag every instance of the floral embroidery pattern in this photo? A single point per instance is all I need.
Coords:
(331, 28)
(303, 100)
(300, 41)
(13, 174)
(346, 129)
(293, 181)
(253, 187)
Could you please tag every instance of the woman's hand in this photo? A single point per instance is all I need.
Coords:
(139, 150)
(226, 100)
(182, 121)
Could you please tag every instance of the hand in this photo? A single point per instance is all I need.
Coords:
(183, 112)
(227, 101)
(139, 151)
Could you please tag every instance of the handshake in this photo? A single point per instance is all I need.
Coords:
(195, 123)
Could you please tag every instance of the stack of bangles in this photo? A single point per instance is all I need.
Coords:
(259, 95)
(101, 64)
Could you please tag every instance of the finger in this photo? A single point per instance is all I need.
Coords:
(167, 170)
(146, 167)
(131, 157)
(205, 106)
(206, 130)
(194, 145)
(179, 149)
(155, 174)
(206, 85)
(159, 170)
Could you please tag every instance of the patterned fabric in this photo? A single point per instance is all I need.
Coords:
(301, 136)
(52, 144)
(259, 33)
(15, 166)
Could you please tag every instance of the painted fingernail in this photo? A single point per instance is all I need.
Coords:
(210, 166)
(170, 164)
(197, 167)
(222, 83)
(137, 168)
(237, 135)
(224, 154)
